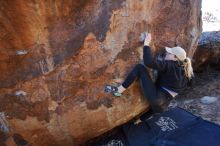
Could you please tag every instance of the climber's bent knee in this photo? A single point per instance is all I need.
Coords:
(140, 67)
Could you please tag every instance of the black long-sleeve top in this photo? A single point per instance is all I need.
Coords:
(170, 73)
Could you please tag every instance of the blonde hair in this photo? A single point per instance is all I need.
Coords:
(187, 65)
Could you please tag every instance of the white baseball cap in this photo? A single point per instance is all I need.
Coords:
(179, 52)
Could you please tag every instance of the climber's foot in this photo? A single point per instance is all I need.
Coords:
(113, 90)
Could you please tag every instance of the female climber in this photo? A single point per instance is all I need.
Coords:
(174, 72)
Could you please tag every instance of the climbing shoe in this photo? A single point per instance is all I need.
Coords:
(113, 90)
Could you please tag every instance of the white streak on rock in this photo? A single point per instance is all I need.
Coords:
(20, 93)
(21, 52)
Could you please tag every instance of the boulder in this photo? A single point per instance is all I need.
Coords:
(56, 57)
(208, 51)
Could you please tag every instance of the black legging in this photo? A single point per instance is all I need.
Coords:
(158, 98)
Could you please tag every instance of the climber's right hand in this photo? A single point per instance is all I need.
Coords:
(147, 39)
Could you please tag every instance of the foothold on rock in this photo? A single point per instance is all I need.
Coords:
(208, 99)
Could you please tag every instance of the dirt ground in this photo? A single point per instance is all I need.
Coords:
(205, 84)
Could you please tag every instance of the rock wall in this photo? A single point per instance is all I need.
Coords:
(56, 56)
(208, 51)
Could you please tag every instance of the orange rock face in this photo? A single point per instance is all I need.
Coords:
(56, 56)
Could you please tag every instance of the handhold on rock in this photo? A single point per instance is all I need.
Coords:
(142, 36)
